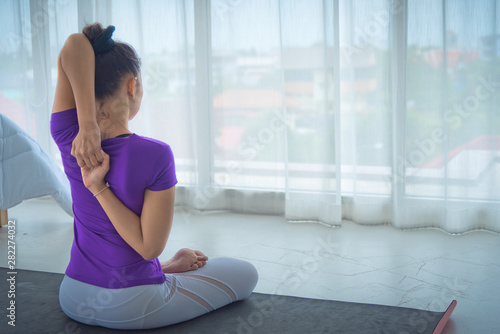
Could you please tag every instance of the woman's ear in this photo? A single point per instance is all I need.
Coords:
(131, 86)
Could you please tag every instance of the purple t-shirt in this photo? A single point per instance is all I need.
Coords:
(99, 255)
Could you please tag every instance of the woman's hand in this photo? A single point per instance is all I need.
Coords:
(184, 260)
(93, 177)
(86, 146)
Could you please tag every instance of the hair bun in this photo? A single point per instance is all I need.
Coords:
(104, 42)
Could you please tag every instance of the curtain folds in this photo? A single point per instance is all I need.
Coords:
(376, 111)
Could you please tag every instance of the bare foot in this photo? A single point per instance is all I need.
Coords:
(184, 260)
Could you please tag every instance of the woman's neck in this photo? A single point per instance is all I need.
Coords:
(113, 132)
(112, 118)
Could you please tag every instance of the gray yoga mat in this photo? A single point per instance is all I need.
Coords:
(37, 311)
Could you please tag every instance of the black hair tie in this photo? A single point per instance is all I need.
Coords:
(104, 42)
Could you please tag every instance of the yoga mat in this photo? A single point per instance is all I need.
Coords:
(37, 311)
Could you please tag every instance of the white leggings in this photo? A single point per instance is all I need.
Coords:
(181, 297)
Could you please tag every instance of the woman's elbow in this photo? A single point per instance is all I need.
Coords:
(151, 254)
(149, 258)
(74, 45)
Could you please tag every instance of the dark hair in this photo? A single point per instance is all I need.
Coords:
(112, 65)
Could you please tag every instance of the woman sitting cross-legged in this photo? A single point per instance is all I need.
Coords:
(122, 185)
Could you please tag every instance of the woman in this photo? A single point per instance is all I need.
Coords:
(123, 199)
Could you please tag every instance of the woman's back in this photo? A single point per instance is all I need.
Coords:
(99, 254)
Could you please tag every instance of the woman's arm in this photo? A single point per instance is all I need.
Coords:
(75, 88)
(146, 234)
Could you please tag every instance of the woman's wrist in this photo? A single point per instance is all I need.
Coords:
(87, 123)
(95, 188)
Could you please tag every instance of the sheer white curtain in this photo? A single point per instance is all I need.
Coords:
(319, 110)
(451, 166)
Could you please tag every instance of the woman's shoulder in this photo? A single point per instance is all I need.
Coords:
(151, 145)
(147, 141)
(64, 126)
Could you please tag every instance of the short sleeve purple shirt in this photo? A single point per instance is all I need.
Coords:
(99, 255)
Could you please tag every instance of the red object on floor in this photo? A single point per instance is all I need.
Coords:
(440, 326)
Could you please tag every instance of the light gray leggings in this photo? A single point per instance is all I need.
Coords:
(181, 297)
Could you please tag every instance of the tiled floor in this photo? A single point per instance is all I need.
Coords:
(378, 264)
